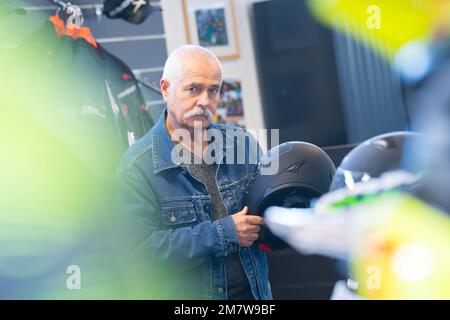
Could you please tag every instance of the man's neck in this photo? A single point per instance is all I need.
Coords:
(197, 145)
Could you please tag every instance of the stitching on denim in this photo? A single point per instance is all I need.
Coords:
(140, 154)
(233, 184)
(222, 238)
(186, 198)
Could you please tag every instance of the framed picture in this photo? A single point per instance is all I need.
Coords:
(231, 109)
(211, 24)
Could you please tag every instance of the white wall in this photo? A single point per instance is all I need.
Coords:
(243, 68)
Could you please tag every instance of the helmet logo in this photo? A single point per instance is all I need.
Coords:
(295, 168)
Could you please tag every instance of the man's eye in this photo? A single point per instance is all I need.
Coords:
(214, 91)
(194, 89)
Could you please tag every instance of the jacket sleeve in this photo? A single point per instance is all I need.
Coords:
(139, 215)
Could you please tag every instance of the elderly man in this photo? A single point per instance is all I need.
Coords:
(188, 214)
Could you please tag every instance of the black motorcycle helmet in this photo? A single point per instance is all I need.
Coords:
(132, 11)
(304, 172)
(431, 106)
(378, 155)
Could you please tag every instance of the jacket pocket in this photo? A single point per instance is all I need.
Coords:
(178, 214)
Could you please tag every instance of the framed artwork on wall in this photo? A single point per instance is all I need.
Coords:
(231, 108)
(211, 24)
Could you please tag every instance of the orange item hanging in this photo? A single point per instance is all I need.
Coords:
(84, 32)
(73, 31)
(58, 24)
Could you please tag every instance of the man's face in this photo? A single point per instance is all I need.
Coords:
(194, 95)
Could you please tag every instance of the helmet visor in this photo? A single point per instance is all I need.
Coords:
(347, 179)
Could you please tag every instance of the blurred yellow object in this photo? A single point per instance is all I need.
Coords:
(386, 25)
(405, 254)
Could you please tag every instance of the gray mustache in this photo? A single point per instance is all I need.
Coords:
(199, 112)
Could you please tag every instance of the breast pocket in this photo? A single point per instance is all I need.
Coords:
(175, 215)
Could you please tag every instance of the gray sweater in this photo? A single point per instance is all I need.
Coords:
(238, 286)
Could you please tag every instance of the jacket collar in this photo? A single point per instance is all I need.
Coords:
(162, 146)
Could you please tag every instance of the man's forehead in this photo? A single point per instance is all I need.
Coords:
(202, 81)
(202, 84)
(199, 61)
(209, 77)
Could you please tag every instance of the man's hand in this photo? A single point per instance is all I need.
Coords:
(247, 227)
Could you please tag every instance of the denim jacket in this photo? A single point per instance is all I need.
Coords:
(170, 213)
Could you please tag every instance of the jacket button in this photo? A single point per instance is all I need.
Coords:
(220, 290)
(173, 219)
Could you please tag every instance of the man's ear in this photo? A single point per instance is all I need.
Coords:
(164, 85)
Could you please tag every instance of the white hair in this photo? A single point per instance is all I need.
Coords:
(174, 63)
